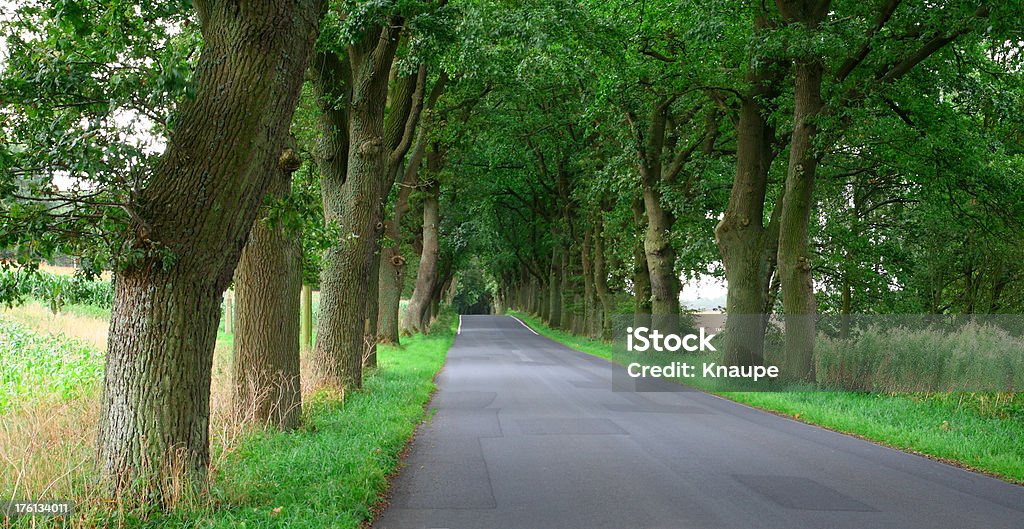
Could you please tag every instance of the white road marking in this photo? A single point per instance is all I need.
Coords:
(525, 325)
(460, 325)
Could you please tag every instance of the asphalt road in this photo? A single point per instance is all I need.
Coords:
(529, 434)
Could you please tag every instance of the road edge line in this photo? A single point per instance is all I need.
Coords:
(525, 325)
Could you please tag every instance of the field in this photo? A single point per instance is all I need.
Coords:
(330, 472)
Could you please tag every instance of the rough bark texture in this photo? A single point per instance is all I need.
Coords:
(601, 283)
(353, 200)
(794, 257)
(555, 287)
(747, 246)
(661, 258)
(392, 265)
(196, 212)
(641, 274)
(417, 313)
(590, 312)
(268, 282)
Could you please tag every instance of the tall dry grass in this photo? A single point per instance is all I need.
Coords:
(47, 446)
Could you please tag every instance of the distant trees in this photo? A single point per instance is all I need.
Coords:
(809, 140)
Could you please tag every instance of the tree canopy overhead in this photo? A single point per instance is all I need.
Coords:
(576, 160)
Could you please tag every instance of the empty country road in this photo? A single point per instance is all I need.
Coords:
(528, 434)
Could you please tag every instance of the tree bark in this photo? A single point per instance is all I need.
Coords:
(555, 287)
(661, 260)
(417, 313)
(590, 313)
(794, 257)
(353, 200)
(601, 282)
(641, 273)
(192, 220)
(748, 248)
(392, 265)
(268, 282)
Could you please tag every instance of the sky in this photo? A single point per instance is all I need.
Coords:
(707, 292)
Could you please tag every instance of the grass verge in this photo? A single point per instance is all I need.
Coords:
(331, 472)
(979, 431)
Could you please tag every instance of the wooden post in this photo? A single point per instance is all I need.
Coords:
(306, 318)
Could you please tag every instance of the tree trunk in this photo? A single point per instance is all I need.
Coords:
(555, 287)
(747, 248)
(196, 211)
(389, 285)
(268, 281)
(661, 261)
(601, 283)
(589, 297)
(353, 201)
(372, 310)
(417, 313)
(641, 273)
(306, 320)
(794, 256)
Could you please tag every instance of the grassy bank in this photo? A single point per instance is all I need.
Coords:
(331, 472)
(984, 432)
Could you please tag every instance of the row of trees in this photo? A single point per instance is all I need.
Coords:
(277, 146)
(821, 156)
(575, 160)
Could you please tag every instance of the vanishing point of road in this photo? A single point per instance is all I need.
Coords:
(528, 434)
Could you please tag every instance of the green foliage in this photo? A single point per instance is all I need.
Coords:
(54, 289)
(34, 366)
(88, 91)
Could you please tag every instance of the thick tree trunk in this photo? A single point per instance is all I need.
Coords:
(747, 247)
(355, 205)
(197, 210)
(590, 312)
(601, 283)
(268, 282)
(555, 287)
(389, 285)
(417, 313)
(794, 256)
(661, 259)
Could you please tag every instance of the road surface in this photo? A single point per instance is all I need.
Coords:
(528, 434)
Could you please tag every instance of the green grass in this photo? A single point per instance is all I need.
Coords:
(981, 431)
(334, 470)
